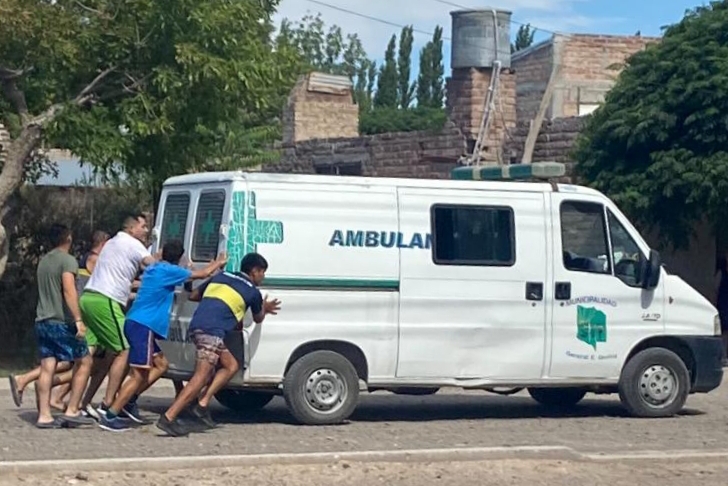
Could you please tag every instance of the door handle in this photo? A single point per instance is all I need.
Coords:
(534, 291)
(562, 290)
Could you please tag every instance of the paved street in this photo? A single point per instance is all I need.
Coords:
(489, 473)
(383, 421)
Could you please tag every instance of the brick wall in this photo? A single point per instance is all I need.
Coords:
(466, 93)
(554, 143)
(533, 69)
(590, 64)
(312, 114)
(411, 154)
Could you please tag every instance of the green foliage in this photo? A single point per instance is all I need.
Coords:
(659, 145)
(329, 51)
(386, 95)
(390, 119)
(430, 82)
(524, 38)
(157, 85)
(404, 67)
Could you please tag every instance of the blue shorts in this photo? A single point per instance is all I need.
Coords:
(142, 344)
(58, 340)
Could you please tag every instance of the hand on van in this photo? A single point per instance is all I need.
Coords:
(269, 307)
(211, 267)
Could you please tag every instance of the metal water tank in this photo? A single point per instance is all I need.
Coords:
(474, 35)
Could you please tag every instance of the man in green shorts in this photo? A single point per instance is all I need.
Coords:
(106, 294)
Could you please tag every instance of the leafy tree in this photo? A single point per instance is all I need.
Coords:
(327, 50)
(386, 94)
(658, 145)
(156, 85)
(404, 67)
(430, 82)
(389, 119)
(524, 38)
(424, 79)
(438, 70)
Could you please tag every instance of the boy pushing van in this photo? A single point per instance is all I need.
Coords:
(224, 299)
(148, 320)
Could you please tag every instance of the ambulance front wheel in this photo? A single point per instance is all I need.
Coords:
(654, 383)
(321, 388)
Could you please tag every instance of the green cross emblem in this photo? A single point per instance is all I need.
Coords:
(208, 227)
(244, 239)
(174, 228)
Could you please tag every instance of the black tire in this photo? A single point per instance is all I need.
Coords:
(654, 366)
(557, 397)
(307, 398)
(415, 391)
(243, 401)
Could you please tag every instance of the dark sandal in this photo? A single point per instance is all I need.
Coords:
(17, 395)
(56, 424)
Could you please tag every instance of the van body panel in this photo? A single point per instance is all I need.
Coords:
(472, 321)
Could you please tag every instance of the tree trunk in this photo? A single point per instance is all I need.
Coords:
(11, 177)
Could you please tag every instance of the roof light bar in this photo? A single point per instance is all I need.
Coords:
(538, 170)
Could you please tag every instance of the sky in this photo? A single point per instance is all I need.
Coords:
(621, 17)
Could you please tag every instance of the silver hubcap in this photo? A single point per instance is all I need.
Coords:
(325, 391)
(658, 386)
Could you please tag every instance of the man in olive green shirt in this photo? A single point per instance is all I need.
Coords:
(59, 329)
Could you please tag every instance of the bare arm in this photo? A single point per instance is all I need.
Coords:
(70, 296)
(268, 307)
(91, 263)
(211, 268)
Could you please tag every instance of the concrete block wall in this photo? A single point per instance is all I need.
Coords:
(312, 115)
(422, 154)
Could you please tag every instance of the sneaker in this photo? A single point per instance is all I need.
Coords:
(172, 428)
(96, 412)
(131, 411)
(203, 415)
(114, 424)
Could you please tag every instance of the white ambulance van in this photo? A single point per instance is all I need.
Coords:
(410, 285)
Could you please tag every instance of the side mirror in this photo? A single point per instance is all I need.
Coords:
(650, 271)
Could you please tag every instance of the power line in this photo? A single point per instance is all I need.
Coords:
(369, 17)
(453, 4)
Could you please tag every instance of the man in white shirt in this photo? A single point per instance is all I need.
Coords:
(107, 293)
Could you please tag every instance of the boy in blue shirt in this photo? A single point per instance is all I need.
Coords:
(146, 321)
(224, 299)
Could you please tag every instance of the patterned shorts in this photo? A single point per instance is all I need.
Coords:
(58, 340)
(209, 347)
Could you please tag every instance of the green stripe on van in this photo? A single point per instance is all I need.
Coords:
(330, 283)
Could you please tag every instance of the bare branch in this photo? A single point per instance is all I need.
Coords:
(47, 115)
(89, 9)
(16, 97)
(8, 74)
(83, 96)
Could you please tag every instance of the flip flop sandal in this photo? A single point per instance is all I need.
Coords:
(17, 395)
(56, 424)
(77, 420)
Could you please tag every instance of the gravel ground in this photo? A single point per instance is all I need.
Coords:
(490, 473)
(382, 421)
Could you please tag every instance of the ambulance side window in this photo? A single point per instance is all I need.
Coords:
(627, 257)
(174, 218)
(473, 235)
(207, 225)
(584, 237)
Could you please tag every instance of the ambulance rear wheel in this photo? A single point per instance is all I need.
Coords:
(557, 397)
(654, 383)
(243, 401)
(321, 388)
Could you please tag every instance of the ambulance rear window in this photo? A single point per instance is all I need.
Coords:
(174, 218)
